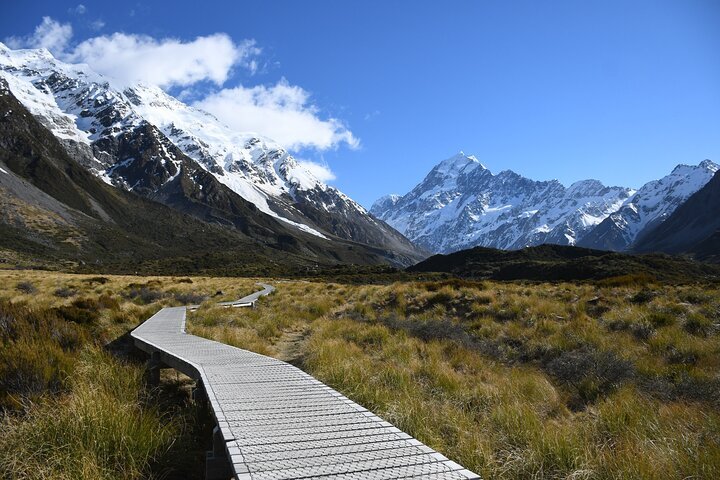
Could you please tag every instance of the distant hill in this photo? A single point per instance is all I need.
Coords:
(564, 263)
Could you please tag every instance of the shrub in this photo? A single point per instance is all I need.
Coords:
(65, 292)
(67, 335)
(108, 301)
(34, 356)
(618, 324)
(86, 304)
(145, 294)
(429, 329)
(75, 314)
(643, 296)
(680, 356)
(642, 330)
(29, 369)
(661, 319)
(99, 280)
(695, 297)
(591, 374)
(26, 287)
(100, 431)
(189, 298)
(698, 324)
(483, 299)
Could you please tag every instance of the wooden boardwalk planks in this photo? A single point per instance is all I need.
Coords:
(277, 422)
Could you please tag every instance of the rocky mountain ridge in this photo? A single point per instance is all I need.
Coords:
(143, 140)
(461, 204)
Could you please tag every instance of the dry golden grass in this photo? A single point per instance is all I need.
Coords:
(618, 380)
(68, 409)
(512, 380)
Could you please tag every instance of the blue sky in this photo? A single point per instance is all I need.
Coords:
(380, 91)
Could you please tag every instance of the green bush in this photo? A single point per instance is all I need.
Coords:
(78, 315)
(643, 296)
(591, 374)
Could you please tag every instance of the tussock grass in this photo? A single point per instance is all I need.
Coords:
(68, 409)
(607, 380)
(100, 430)
(596, 381)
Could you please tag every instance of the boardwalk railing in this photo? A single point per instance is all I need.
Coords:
(275, 421)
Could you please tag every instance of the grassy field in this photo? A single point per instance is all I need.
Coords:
(612, 379)
(72, 399)
(615, 380)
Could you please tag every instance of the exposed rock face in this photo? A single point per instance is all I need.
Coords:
(147, 142)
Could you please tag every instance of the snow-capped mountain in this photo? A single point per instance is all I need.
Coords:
(693, 228)
(651, 205)
(385, 202)
(146, 141)
(461, 204)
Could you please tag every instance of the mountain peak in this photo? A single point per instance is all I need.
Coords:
(384, 203)
(24, 55)
(457, 163)
(709, 165)
(586, 186)
(649, 206)
(702, 167)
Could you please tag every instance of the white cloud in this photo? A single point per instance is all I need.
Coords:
(321, 171)
(49, 34)
(130, 59)
(371, 115)
(80, 9)
(282, 112)
(97, 24)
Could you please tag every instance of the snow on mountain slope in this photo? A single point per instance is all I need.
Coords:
(384, 203)
(461, 204)
(104, 129)
(78, 105)
(257, 168)
(693, 228)
(652, 204)
(74, 103)
(261, 171)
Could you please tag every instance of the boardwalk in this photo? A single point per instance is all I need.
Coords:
(275, 421)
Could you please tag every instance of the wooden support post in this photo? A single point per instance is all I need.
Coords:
(153, 370)
(217, 466)
(199, 394)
